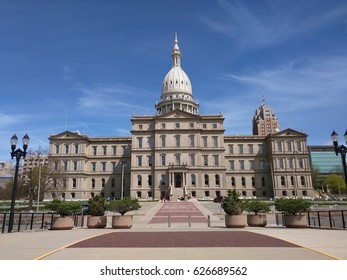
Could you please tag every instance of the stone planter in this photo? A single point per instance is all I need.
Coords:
(258, 220)
(96, 221)
(235, 221)
(122, 222)
(62, 223)
(295, 221)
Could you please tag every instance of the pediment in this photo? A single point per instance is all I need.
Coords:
(177, 114)
(68, 135)
(289, 133)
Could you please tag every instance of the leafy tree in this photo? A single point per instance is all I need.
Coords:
(336, 183)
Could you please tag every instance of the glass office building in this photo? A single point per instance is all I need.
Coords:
(325, 160)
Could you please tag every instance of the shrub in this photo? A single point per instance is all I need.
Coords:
(231, 204)
(292, 206)
(97, 206)
(124, 205)
(64, 208)
(256, 206)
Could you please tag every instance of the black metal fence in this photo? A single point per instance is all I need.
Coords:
(25, 221)
(332, 219)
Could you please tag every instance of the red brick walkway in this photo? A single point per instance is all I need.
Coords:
(181, 239)
(179, 212)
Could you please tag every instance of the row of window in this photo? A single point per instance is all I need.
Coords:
(292, 181)
(75, 148)
(178, 125)
(177, 157)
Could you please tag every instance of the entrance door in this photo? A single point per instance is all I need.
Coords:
(178, 180)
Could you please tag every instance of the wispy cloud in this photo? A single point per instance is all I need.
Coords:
(6, 120)
(319, 80)
(252, 28)
(115, 100)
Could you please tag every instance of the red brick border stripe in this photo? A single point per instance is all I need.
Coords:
(181, 239)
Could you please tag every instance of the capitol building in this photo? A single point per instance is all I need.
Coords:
(179, 153)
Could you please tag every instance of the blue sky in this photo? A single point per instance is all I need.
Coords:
(89, 65)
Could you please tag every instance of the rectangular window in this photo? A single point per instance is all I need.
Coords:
(65, 165)
(75, 165)
(114, 166)
(298, 146)
(94, 150)
(163, 180)
(192, 160)
(281, 163)
(114, 149)
(204, 141)
(57, 149)
(250, 149)
(66, 149)
(104, 150)
(178, 140)
(93, 166)
(204, 125)
(76, 148)
(232, 165)
(150, 161)
(262, 165)
(177, 125)
(163, 160)
(103, 164)
(261, 149)
(139, 160)
(178, 159)
(240, 149)
(163, 141)
(216, 160)
(242, 165)
(191, 125)
(192, 140)
(214, 125)
(231, 149)
(139, 142)
(289, 145)
(215, 141)
(140, 126)
(251, 164)
(124, 150)
(205, 158)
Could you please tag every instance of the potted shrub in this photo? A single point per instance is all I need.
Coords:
(65, 210)
(259, 208)
(292, 210)
(96, 210)
(123, 206)
(233, 208)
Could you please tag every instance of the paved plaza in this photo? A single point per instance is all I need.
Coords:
(177, 231)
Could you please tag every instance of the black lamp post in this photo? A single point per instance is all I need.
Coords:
(341, 150)
(17, 154)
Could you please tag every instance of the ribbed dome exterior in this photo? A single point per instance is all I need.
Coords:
(176, 81)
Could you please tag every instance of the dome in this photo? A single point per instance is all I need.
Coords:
(176, 91)
(176, 81)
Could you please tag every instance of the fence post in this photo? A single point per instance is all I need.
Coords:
(4, 223)
(169, 220)
(189, 221)
(343, 220)
(208, 221)
(331, 225)
(19, 221)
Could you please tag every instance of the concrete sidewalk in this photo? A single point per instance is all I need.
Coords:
(295, 244)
